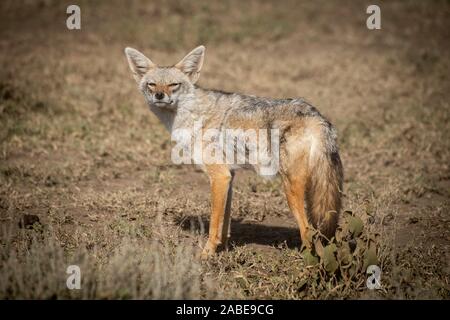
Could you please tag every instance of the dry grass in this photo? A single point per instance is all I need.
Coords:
(125, 265)
(81, 151)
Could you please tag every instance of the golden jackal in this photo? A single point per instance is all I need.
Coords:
(309, 162)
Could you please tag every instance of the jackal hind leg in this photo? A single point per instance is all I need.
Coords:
(294, 186)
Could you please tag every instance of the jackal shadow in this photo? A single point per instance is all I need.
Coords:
(246, 232)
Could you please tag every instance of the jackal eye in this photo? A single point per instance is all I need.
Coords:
(174, 86)
(151, 84)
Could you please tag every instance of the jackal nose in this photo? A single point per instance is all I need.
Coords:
(159, 95)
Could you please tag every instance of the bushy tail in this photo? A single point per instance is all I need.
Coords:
(324, 190)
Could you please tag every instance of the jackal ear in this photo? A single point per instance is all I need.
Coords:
(192, 63)
(139, 64)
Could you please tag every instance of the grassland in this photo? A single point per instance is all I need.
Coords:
(80, 151)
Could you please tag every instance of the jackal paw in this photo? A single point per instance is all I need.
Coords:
(209, 250)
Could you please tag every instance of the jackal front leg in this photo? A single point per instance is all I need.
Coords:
(220, 178)
(226, 232)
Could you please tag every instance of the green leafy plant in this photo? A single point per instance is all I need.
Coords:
(347, 255)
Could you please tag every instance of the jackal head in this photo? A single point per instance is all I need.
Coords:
(164, 86)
